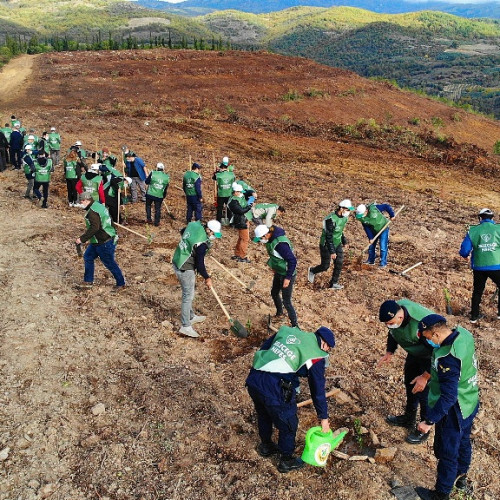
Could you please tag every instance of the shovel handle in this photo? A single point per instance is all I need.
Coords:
(131, 230)
(309, 401)
(220, 303)
(410, 268)
(383, 229)
(222, 266)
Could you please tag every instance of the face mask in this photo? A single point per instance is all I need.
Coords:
(345, 214)
(263, 241)
(433, 344)
(212, 237)
(393, 326)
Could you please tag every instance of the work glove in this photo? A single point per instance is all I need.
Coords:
(251, 200)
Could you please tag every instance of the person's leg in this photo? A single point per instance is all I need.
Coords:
(479, 282)
(372, 253)
(264, 419)
(112, 206)
(45, 188)
(189, 209)
(68, 188)
(325, 260)
(88, 259)
(337, 264)
(495, 277)
(133, 189)
(74, 192)
(29, 187)
(36, 190)
(446, 445)
(286, 421)
(465, 448)
(198, 210)
(106, 253)
(187, 280)
(275, 293)
(245, 240)
(286, 293)
(411, 370)
(384, 247)
(142, 189)
(149, 202)
(157, 211)
(220, 206)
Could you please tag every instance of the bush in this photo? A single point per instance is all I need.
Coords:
(496, 148)
(292, 95)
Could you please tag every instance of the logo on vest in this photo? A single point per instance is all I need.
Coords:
(486, 237)
(292, 339)
(186, 235)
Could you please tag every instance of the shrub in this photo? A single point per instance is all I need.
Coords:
(496, 148)
(292, 95)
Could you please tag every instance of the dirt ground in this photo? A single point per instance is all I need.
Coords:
(101, 398)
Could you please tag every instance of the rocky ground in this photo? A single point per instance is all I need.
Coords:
(100, 396)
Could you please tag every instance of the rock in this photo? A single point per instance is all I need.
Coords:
(371, 460)
(385, 455)
(374, 438)
(363, 430)
(167, 325)
(47, 490)
(4, 454)
(22, 443)
(339, 454)
(405, 493)
(98, 409)
(90, 441)
(34, 484)
(358, 458)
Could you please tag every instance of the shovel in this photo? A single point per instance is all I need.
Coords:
(236, 327)
(403, 273)
(172, 216)
(79, 249)
(149, 237)
(225, 219)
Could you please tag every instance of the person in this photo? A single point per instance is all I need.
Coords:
(189, 258)
(103, 239)
(283, 263)
(70, 164)
(7, 131)
(42, 168)
(91, 182)
(82, 154)
(226, 163)
(107, 160)
(401, 318)
(241, 210)
(273, 381)
(266, 213)
(135, 168)
(191, 185)
(157, 183)
(54, 140)
(248, 190)
(482, 242)
(32, 138)
(453, 402)
(16, 146)
(4, 151)
(373, 221)
(29, 171)
(331, 244)
(224, 180)
(43, 144)
(111, 190)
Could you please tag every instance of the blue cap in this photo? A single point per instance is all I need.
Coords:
(388, 310)
(327, 335)
(429, 321)
(195, 165)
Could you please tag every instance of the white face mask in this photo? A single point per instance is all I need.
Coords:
(212, 237)
(394, 326)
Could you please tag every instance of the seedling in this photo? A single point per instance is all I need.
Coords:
(357, 433)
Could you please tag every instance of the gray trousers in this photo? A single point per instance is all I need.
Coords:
(187, 280)
(29, 187)
(54, 156)
(137, 183)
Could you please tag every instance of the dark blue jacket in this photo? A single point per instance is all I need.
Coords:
(16, 140)
(285, 251)
(139, 166)
(466, 248)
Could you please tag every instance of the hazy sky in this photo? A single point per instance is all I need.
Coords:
(446, 1)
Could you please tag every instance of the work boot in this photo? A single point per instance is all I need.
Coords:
(463, 484)
(437, 495)
(417, 437)
(408, 419)
(267, 449)
(289, 463)
(310, 275)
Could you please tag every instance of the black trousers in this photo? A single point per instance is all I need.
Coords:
(157, 201)
(413, 368)
(72, 193)
(16, 158)
(45, 189)
(221, 201)
(3, 159)
(326, 258)
(283, 297)
(480, 278)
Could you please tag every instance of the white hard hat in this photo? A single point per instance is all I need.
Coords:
(53, 129)
(225, 160)
(128, 180)
(17, 125)
(78, 143)
(31, 137)
(261, 230)
(361, 209)
(346, 204)
(486, 211)
(28, 146)
(237, 187)
(215, 227)
(160, 166)
(94, 167)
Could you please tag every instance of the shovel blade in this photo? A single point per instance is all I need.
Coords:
(238, 329)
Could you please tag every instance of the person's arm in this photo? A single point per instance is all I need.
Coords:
(165, 191)
(95, 224)
(465, 247)
(102, 196)
(392, 345)
(79, 186)
(197, 186)
(236, 208)
(385, 207)
(148, 180)
(369, 231)
(199, 259)
(286, 253)
(270, 215)
(329, 228)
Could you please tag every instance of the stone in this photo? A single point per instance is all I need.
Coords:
(98, 409)
(358, 458)
(374, 438)
(385, 455)
(405, 493)
(47, 490)
(22, 443)
(34, 484)
(4, 454)
(339, 454)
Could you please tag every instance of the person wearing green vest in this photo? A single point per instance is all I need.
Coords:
(283, 263)
(157, 183)
(191, 185)
(401, 318)
(482, 243)
(71, 174)
(453, 402)
(29, 171)
(248, 190)
(224, 180)
(32, 140)
(240, 207)
(4, 146)
(54, 141)
(273, 382)
(91, 182)
(266, 213)
(373, 221)
(331, 244)
(111, 190)
(188, 259)
(102, 237)
(42, 167)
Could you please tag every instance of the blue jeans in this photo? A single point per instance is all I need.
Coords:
(195, 206)
(106, 252)
(384, 248)
(187, 280)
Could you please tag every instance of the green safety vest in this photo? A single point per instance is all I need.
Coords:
(106, 222)
(26, 167)
(276, 262)
(339, 223)
(485, 239)
(374, 218)
(224, 181)
(42, 174)
(34, 143)
(193, 235)
(159, 181)
(246, 187)
(188, 181)
(462, 348)
(291, 349)
(407, 336)
(54, 141)
(6, 132)
(92, 185)
(70, 169)
(243, 203)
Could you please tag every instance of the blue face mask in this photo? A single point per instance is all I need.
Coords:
(433, 344)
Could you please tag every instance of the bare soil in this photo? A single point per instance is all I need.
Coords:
(177, 421)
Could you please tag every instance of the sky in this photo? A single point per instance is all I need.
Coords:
(445, 1)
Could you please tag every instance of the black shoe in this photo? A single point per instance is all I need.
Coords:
(287, 464)
(267, 449)
(417, 437)
(462, 484)
(475, 319)
(244, 260)
(234, 257)
(437, 495)
(427, 494)
(407, 420)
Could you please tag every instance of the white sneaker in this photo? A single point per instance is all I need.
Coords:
(188, 331)
(198, 319)
(310, 275)
(70, 204)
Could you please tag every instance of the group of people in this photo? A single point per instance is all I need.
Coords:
(440, 372)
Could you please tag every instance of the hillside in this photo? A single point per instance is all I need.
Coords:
(102, 398)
